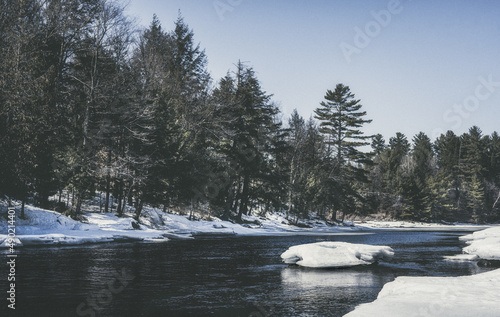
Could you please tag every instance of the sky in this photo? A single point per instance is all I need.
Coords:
(415, 65)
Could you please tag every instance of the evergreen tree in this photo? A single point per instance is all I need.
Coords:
(301, 141)
(248, 127)
(378, 144)
(340, 117)
(472, 168)
(493, 176)
(416, 191)
(446, 184)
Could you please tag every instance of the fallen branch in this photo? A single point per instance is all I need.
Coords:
(496, 201)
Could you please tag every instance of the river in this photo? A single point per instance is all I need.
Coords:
(237, 276)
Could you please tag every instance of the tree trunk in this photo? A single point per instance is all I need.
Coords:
(127, 197)
(120, 194)
(290, 188)
(77, 209)
(22, 209)
(244, 198)
(138, 210)
(229, 201)
(108, 183)
(191, 211)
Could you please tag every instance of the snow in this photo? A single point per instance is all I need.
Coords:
(335, 254)
(484, 244)
(462, 257)
(46, 227)
(475, 295)
(417, 226)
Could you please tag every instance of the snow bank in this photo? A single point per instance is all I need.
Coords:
(417, 226)
(484, 244)
(475, 295)
(46, 227)
(40, 221)
(273, 224)
(335, 254)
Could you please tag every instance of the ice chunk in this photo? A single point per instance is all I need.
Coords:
(462, 257)
(335, 254)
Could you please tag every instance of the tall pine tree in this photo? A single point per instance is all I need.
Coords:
(341, 118)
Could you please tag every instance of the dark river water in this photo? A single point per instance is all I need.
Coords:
(239, 276)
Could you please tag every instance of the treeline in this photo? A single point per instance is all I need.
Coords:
(90, 104)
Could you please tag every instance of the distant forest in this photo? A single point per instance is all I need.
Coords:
(90, 104)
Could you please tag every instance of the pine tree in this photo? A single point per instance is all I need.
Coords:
(493, 175)
(298, 166)
(416, 189)
(472, 168)
(447, 181)
(340, 117)
(248, 127)
(378, 144)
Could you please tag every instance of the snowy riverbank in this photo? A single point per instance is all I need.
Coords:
(466, 296)
(412, 296)
(475, 295)
(46, 227)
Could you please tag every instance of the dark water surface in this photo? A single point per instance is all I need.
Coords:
(240, 276)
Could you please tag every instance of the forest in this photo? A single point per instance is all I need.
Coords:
(91, 104)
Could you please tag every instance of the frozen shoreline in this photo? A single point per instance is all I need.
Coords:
(422, 296)
(46, 227)
(475, 295)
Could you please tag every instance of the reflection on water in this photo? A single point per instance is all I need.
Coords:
(220, 277)
(295, 278)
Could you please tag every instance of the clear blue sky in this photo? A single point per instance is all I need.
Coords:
(422, 65)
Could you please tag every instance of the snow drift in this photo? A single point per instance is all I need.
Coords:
(475, 295)
(484, 244)
(336, 254)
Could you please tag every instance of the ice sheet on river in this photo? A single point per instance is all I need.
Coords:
(336, 254)
(466, 296)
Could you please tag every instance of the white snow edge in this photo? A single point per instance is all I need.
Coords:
(463, 296)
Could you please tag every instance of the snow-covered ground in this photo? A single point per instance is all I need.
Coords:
(336, 254)
(466, 296)
(407, 296)
(484, 244)
(420, 226)
(475, 295)
(46, 227)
